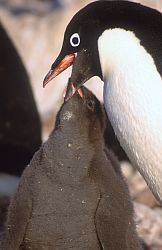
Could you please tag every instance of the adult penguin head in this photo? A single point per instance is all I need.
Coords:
(80, 45)
(79, 48)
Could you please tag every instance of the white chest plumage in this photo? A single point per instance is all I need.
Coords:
(133, 101)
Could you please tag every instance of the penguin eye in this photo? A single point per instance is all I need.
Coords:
(75, 40)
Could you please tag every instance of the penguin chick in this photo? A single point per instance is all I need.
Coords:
(73, 195)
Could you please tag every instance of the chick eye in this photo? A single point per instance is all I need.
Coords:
(91, 105)
(75, 40)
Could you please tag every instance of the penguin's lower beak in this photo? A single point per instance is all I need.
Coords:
(84, 67)
(59, 67)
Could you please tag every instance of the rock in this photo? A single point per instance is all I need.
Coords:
(140, 191)
(149, 225)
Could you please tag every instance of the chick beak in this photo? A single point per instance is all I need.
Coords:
(70, 91)
(57, 68)
(80, 92)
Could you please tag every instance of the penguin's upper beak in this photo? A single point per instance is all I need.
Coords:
(59, 66)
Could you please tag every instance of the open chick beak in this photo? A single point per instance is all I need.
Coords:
(66, 62)
(70, 91)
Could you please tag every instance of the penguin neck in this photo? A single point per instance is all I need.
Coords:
(69, 152)
(133, 101)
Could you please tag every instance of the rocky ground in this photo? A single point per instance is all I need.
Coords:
(37, 28)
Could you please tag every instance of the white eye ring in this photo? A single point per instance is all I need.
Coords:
(74, 36)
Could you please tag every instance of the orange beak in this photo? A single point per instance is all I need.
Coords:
(66, 62)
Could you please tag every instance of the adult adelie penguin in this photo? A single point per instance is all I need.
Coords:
(121, 42)
(73, 194)
(20, 126)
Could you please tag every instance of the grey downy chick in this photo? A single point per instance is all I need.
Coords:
(73, 195)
